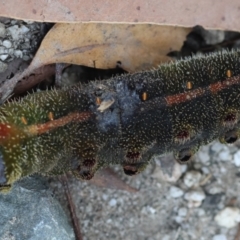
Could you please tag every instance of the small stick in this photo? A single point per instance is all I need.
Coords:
(237, 237)
(75, 220)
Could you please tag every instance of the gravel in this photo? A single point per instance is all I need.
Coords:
(163, 209)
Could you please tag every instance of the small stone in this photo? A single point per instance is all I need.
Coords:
(17, 32)
(195, 198)
(166, 237)
(104, 197)
(3, 50)
(18, 53)
(236, 159)
(192, 179)
(28, 21)
(13, 22)
(2, 30)
(7, 44)
(25, 45)
(10, 51)
(205, 170)
(166, 168)
(179, 219)
(112, 202)
(201, 212)
(182, 212)
(162, 174)
(175, 192)
(213, 201)
(3, 57)
(219, 237)
(25, 57)
(217, 147)
(109, 221)
(184, 168)
(195, 195)
(214, 188)
(148, 210)
(204, 157)
(229, 217)
(225, 155)
(24, 29)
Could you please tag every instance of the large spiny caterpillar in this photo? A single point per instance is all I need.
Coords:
(124, 120)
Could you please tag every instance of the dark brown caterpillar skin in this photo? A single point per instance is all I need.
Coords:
(124, 120)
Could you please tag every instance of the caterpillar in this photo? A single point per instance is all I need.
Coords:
(124, 120)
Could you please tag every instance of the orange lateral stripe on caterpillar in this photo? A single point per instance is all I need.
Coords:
(48, 126)
(191, 94)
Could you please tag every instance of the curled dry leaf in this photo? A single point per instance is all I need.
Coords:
(101, 45)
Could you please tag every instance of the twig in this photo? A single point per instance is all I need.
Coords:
(75, 220)
(237, 237)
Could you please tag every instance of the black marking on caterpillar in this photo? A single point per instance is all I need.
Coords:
(124, 120)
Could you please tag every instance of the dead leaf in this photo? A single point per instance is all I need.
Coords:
(101, 45)
(213, 14)
(109, 179)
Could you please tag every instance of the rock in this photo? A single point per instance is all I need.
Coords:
(3, 57)
(113, 202)
(219, 237)
(225, 155)
(167, 169)
(194, 198)
(192, 179)
(229, 217)
(7, 44)
(148, 210)
(25, 58)
(182, 212)
(212, 201)
(17, 32)
(214, 188)
(201, 212)
(29, 211)
(204, 157)
(175, 192)
(2, 30)
(205, 170)
(3, 50)
(18, 53)
(236, 159)
(217, 147)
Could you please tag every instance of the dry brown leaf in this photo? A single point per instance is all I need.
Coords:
(107, 178)
(101, 45)
(212, 14)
